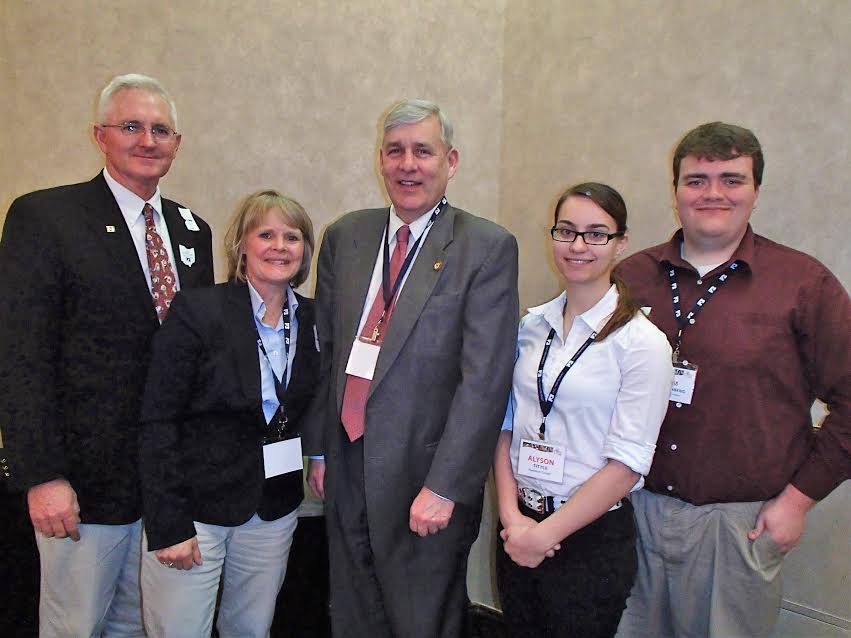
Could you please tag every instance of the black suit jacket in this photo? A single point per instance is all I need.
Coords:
(202, 418)
(76, 321)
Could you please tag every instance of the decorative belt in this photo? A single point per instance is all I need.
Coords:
(544, 504)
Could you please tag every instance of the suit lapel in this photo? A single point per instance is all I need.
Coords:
(357, 262)
(104, 218)
(182, 237)
(415, 293)
(243, 338)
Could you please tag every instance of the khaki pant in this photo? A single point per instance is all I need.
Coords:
(698, 574)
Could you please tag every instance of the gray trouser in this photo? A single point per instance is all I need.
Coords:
(90, 588)
(698, 573)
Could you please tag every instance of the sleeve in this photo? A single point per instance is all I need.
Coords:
(31, 314)
(825, 347)
(646, 378)
(174, 368)
(465, 452)
(508, 419)
(323, 405)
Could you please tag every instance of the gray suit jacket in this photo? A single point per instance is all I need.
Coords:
(443, 376)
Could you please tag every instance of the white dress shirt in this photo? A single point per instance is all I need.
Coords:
(611, 402)
(131, 206)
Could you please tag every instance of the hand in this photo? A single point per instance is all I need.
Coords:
(181, 556)
(525, 546)
(783, 518)
(316, 477)
(430, 513)
(54, 510)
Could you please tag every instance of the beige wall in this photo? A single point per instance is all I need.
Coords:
(543, 93)
(270, 94)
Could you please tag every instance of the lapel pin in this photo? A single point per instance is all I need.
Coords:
(438, 265)
(110, 229)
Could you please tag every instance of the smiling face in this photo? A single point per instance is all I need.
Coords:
(578, 262)
(273, 252)
(416, 166)
(715, 199)
(137, 162)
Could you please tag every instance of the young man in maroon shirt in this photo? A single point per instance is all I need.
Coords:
(759, 331)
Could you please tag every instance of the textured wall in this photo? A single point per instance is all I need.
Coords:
(270, 94)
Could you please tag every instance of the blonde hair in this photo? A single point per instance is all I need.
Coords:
(250, 214)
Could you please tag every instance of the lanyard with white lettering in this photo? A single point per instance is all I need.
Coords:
(546, 400)
(705, 296)
(388, 292)
(279, 420)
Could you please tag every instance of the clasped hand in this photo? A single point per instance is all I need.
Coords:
(525, 544)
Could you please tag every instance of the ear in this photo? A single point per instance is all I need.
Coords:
(100, 136)
(622, 244)
(452, 157)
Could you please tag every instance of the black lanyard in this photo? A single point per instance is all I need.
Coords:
(388, 292)
(279, 420)
(546, 400)
(705, 296)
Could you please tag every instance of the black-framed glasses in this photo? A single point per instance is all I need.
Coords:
(590, 237)
(160, 132)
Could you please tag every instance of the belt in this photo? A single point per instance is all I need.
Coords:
(544, 504)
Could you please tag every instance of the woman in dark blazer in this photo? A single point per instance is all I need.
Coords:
(234, 368)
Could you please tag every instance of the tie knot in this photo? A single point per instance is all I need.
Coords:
(148, 214)
(403, 234)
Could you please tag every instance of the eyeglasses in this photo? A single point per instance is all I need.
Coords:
(160, 132)
(590, 237)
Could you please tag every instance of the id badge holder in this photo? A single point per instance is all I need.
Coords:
(281, 457)
(540, 460)
(362, 359)
(685, 377)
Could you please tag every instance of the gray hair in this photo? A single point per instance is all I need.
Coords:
(133, 81)
(415, 111)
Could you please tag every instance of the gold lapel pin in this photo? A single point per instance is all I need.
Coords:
(438, 265)
(110, 229)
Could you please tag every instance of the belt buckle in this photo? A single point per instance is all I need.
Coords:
(533, 499)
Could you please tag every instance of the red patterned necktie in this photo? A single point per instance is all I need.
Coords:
(357, 388)
(163, 281)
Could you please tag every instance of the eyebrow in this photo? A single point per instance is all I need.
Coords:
(567, 223)
(706, 175)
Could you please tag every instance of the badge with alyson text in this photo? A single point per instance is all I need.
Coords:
(540, 460)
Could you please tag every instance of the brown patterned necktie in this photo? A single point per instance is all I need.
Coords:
(163, 281)
(357, 388)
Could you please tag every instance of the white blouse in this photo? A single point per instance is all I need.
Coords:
(611, 402)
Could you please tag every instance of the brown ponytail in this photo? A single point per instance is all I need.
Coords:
(624, 311)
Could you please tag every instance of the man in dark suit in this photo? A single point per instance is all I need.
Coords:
(418, 349)
(88, 273)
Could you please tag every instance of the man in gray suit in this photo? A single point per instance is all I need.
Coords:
(417, 314)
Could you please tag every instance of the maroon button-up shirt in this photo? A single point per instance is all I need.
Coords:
(772, 339)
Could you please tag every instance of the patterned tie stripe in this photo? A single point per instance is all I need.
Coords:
(163, 281)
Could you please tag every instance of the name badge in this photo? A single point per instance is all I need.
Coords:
(685, 376)
(362, 359)
(541, 460)
(282, 457)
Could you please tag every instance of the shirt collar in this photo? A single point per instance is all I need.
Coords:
(258, 306)
(417, 226)
(744, 253)
(594, 318)
(130, 203)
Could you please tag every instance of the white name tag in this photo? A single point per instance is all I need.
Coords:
(362, 359)
(282, 457)
(541, 460)
(685, 376)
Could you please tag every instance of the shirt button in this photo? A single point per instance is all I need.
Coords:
(679, 405)
(670, 488)
(691, 320)
(673, 446)
(699, 282)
